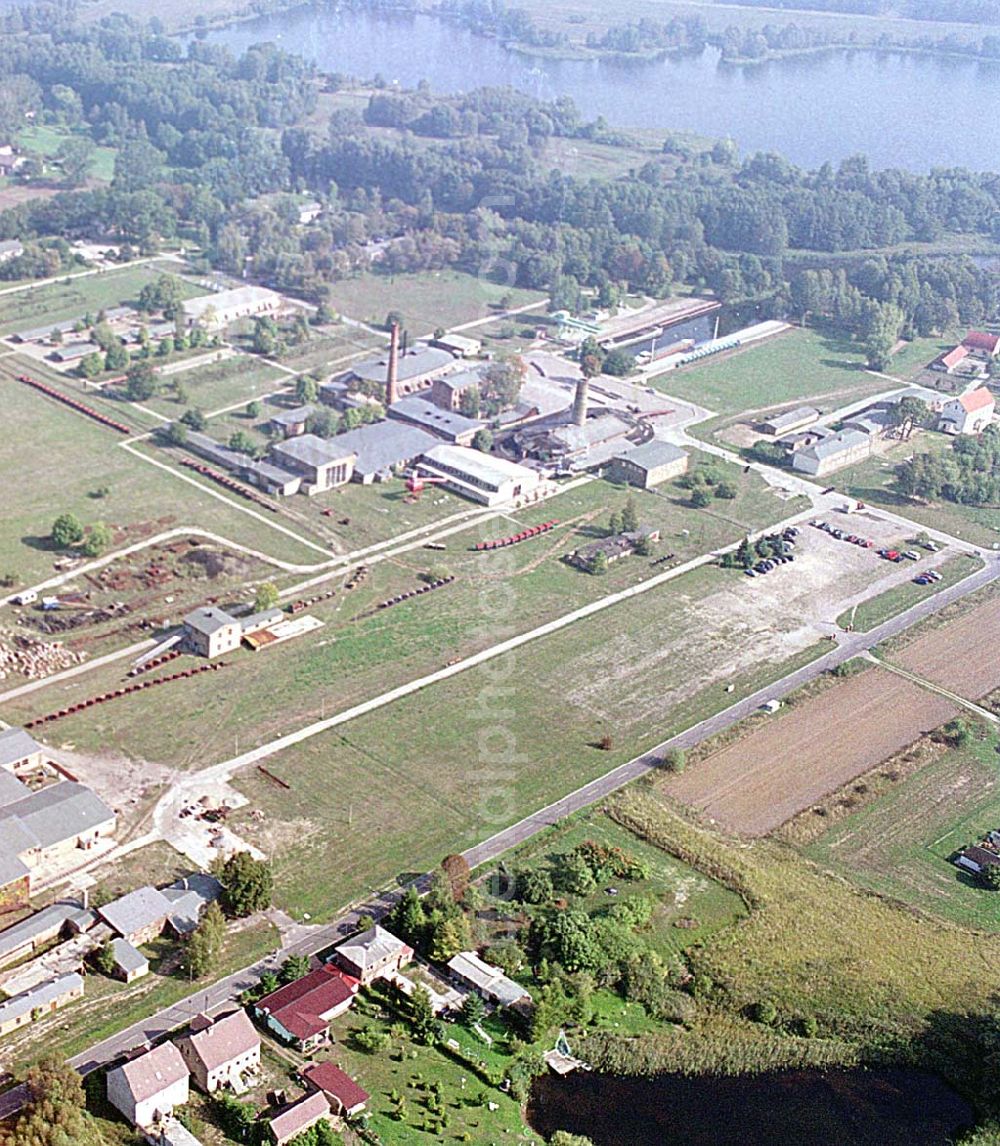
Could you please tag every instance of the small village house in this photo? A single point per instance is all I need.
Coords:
(148, 1089)
(210, 632)
(29, 1006)
(298, 1118)
(968, 413)
(130, 963)
(301, 1012)
(373, 954)
(346, 1098)
(221, 1054)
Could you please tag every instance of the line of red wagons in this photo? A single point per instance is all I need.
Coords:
(516, 538)
(120, 692)
(52, 392)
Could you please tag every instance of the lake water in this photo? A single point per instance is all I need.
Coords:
(885, 1107)
(908, 111)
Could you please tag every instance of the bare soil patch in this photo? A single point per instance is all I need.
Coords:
(963, 656)
(757, 784)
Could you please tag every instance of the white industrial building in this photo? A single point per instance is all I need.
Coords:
(217, 311)
(481, 477)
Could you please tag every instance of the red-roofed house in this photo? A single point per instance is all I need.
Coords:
(950, 362)
(982, 341)
(346, 1098)
(298, 1118)
(300, 1013)
(968, 413)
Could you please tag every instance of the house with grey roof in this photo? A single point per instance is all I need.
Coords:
(650, 464)
(47, 827)
(148, 1089)
(130, 963)
(19, 750)
(210, 632)
(23, 939)
(292, 423)
(486, 980)
(322, 463)
(42, 1000)
(255, 471)
(373, 954)
(139, 916)
(833, 452)
(447, 390)
(416, 369)
(789, 421)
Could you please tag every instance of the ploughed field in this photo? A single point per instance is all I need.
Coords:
(783, 767)
(963, 656)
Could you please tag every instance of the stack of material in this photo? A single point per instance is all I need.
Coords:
(25, 656)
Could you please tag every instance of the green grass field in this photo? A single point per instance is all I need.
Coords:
(217, 385)
(798, 364)
(426, 300)
(75, 296)
(350, 660)
(871, 613)
(69, 458)
(46, 140)
(900, 845)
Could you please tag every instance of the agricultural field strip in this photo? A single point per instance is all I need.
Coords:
(756, 784)
(959, 655)
(983, 713)
(496, 845)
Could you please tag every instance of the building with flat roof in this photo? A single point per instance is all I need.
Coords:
(148, 1089)
(442, 423)
(485, 478)
(264, 475)
(40, 1001)
(650, 464)
(458, 345)
(373, 954)
(217, 311)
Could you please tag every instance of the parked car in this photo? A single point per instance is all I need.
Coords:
(911, 555)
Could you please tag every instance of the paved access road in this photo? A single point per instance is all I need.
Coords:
(309, 941)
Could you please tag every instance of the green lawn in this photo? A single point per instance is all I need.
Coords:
(800, 364)
(69, 458)
(74, 297)
(871, 613)
(900, 845)
(219, 384)
(46, 140)
(426, 300)
(683, 894)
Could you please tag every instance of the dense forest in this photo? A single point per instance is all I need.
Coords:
(211, 148)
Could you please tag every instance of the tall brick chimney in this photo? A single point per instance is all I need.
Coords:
(580, 402)
(392, 374)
